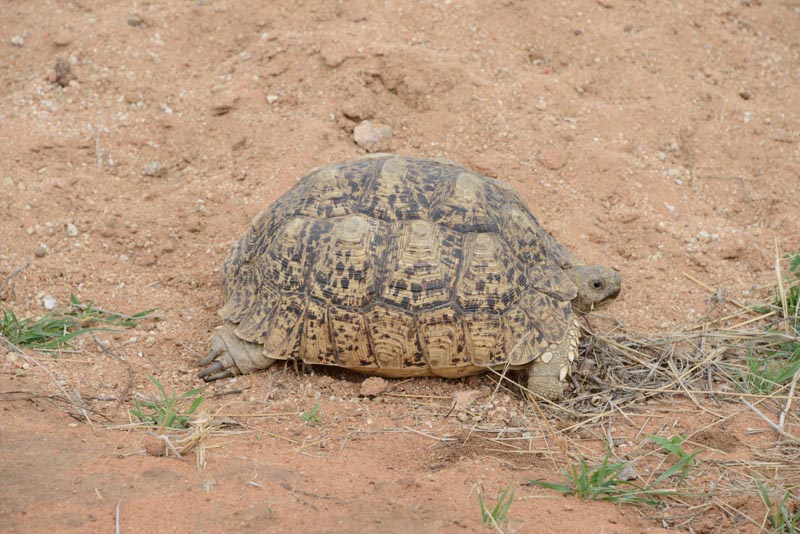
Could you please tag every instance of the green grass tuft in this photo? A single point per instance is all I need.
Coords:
(783, 511)
(603, 482)
(674, 446)
(311, 417)
(169, 411)
(600, 483)
(767, 372)
(56, 329)
(499, 513)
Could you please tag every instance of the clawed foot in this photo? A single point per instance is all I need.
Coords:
(547, 387)
(230, 356)
(547, 380)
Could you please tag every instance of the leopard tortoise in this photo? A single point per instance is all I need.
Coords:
(396, 266)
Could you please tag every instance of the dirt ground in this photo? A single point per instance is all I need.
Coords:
(659, 138)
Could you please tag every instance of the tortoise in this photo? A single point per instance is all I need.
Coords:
(397, 266)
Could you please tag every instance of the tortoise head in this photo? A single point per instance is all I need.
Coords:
(597, 286)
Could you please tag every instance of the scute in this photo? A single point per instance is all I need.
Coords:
(316, 343)
(345, 270)
(286, 264)
(491, 277)
(257, 317)
(463, 205)
(421, 265)
(537, 251)
(350, 339)
(389, 196)
(323, 197)
(282, 339)
(484, 340)
(441, 336)
(393, 339)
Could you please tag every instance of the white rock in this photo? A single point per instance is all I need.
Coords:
(72, 230)
(49, 302)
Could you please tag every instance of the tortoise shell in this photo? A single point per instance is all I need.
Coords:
(397, 266)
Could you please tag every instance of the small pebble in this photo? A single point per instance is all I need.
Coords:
(41, 251)
(271, 99)
(373, 386)
(135, 20)
(155, 169)
(18, 40)
(154, 446)
(72, 230)
(628, 473)
(62, 39)
(222, 108)
(62, 73)
(553, 157)
(372, 136)
(464, 399)
(49, 302)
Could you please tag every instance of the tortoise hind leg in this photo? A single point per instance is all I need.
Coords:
(230, 355)
(547, 375)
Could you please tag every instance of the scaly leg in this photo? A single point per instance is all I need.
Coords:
(230, 356)
(547, 375)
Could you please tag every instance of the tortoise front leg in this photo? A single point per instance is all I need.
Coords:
(547, 374)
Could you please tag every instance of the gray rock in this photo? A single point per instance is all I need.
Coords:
(628, 473)
(372, 136)
(155, 169)
(135, 20)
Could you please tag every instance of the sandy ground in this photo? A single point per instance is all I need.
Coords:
(658, 138)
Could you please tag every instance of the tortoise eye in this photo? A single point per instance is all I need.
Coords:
(597, 284)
